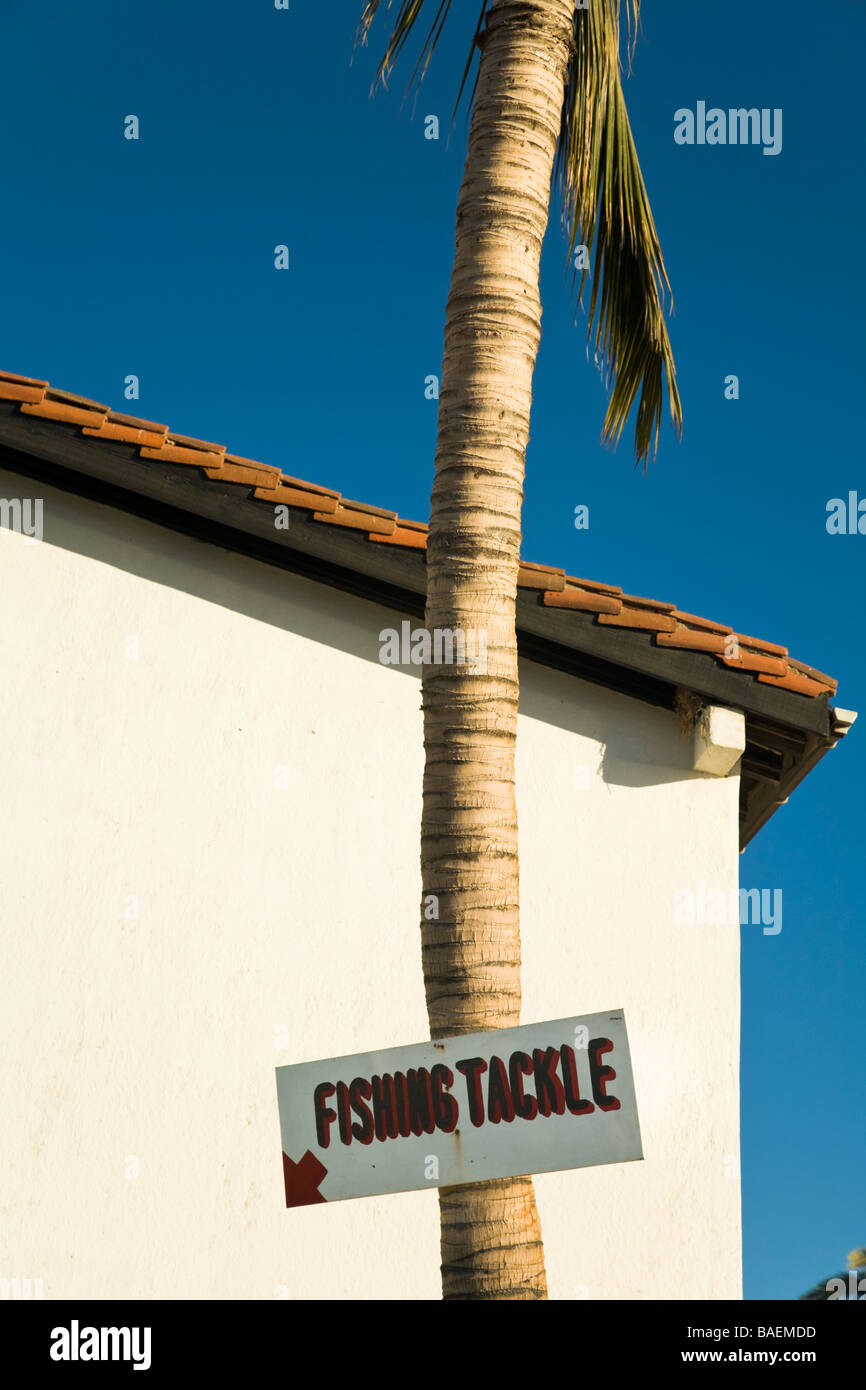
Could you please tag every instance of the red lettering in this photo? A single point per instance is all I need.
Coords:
(359, 1092)
(472, 1068)
(571, 1085)
(420, 1092)
(601, 1074)
(445, 1110)
(548, 1087)
(520, 1065)
(384, 1107)
(325, 1116)
(343, 1112)
(499, 1103)
(401, 1094)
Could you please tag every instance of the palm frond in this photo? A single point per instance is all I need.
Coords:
(404, 22)
(606, 209)
(605, 205)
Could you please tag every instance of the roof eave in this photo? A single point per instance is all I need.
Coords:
(227, 514)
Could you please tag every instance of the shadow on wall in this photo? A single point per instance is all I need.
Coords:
(327, 615)
(628, 757)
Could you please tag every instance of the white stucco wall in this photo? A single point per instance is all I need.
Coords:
(141, 1153)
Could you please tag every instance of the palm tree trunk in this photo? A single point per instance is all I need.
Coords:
(491, 1235)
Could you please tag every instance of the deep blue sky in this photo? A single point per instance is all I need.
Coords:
(156, 258)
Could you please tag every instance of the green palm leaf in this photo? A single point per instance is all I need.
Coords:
(605, 208)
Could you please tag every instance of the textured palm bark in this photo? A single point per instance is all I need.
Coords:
(491, 1235)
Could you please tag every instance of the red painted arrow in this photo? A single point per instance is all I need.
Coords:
(303, 1179)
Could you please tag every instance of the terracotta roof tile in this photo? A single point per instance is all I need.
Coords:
(71, 398)
(691, 640)
(360, 518)
(233, 469)
(366, 507)
(187, 441)
(802, 685)
(546, 577)
(116, 417)
(642, 618)
(757, 661)
(187, 451)
(128, 429)
(758, 645)
(765, 661)
(582, 599)
(292, 492)
(63, 405)
(412, 534)
(689, 620)
(21, 388)
(660, 607)
(810, 671)
(594, 585)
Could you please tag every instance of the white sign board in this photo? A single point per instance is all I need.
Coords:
(485, 1105)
